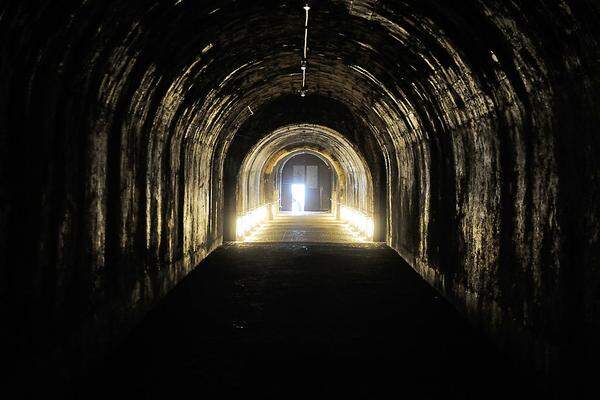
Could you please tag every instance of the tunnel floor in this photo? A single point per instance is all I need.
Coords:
(315, 227)
(305, 320)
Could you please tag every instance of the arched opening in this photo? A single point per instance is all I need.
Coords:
(305, 184)
(330, 173)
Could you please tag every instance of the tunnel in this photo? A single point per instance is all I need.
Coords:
(453, 145)
(263, 184)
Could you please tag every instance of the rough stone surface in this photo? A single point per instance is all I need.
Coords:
(478, 120)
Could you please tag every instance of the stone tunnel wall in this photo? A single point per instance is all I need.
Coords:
(497, 206)
(493, 208)
(108, 202)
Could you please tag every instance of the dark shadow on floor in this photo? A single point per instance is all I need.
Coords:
(305, 320)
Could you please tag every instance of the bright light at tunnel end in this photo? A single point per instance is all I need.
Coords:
(358, 221)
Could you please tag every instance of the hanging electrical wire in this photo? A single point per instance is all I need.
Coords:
(304, 62)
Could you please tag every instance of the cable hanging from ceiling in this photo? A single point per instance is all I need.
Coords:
(304, 62)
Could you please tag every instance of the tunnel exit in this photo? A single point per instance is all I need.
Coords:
(306, 184)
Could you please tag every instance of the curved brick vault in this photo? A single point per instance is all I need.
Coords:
(123, 123)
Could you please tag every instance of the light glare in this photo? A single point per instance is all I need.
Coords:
(359, 221)
(252, 219)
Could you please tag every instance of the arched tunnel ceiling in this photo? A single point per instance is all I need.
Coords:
(407, 71)
(405, 64)
(269, 150)
(350, 166)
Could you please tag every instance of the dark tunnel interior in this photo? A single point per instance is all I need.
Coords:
(138, 138)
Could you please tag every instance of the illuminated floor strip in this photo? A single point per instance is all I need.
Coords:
(305, 227)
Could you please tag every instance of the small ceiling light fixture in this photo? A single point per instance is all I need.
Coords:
(304, 62)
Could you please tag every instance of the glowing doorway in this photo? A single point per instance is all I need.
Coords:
(298, 195)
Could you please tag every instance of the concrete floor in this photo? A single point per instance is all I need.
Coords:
(307, 227)
(305, 321)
